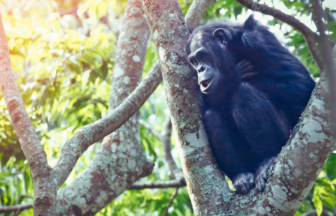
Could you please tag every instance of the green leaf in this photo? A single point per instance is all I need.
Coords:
(331, 166)
(317, 202)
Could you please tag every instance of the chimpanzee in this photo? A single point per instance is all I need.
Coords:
(254, 91)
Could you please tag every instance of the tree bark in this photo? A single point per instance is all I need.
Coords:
(196, 11)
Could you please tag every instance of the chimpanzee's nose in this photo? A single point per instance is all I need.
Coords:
(201, 69)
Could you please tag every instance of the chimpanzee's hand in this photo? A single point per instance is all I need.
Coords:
(261, 175)
(245, 70)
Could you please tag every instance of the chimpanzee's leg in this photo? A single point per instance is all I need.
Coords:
(265, 128)
(220, 139)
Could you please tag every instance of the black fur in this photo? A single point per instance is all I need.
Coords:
(254, 91)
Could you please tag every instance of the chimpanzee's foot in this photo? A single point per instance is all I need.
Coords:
(243, 182)
(261, 174)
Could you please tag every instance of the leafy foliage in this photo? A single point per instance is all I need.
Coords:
(15, 181)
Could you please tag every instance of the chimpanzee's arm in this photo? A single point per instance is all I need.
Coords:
(265, 128)
(220, 138)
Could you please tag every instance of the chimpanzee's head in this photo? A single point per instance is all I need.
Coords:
(214, 50)
(208, 54)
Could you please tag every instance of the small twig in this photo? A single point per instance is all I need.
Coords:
(24, 196)
(4, 209)
(175, 172)
(162, 184)
(310, 36)
(20, 200)
(164, 137)
(95, 101)
(151, 129)
(170, 203)
(17, 212)
(82, 100)
(327, 55)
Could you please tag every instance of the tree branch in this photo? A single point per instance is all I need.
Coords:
(96, 101)
(192, 19)
(94, 132)
(164, 137)
(175, 172)
(121, 160)
(29, 141)
(17, 208)
(310, 36)
(159, 184)
(327, 54)
(24, 196)
(21, 207)
(196, 11)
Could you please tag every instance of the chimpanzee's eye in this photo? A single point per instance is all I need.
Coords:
(202, 55)
(193, 61)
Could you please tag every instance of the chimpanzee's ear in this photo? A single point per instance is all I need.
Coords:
(221, 35)
(250, 23)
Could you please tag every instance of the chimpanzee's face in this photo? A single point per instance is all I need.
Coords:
(206, 57)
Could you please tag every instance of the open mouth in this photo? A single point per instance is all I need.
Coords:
(205, 84)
